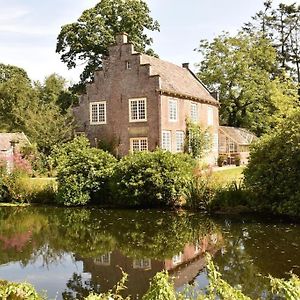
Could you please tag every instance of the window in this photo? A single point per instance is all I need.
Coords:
(103, 260)
(215, 144)
(210, 116)
(144, 263)
(176, 259)
(179, 141)
(128, 65)
(137, 110)
(197, 247)
(172, 110)
(194, 112)
(166, 140)
(98, 113)
(138, 144)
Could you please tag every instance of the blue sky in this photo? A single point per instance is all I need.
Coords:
(29, 28)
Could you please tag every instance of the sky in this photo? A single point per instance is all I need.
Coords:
(29, 29)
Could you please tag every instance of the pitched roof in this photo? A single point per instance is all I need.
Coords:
(6, 138)
(240, 135)
(178, 80)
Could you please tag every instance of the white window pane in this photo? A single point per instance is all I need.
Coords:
(166, 140)
(194, 112)
(179, 141)
(210, 116)
(101, 112)
(98, 112)
(139, 144)
(138, 110)
(134, 111)
(172, 110)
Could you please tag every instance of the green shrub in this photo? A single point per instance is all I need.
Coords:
(272, 175)
(161, 288)
(232, 195)
(82, 172)
(150, 179)
(199, 193)
(18, 291)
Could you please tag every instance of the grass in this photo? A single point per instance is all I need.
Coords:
(224, 176)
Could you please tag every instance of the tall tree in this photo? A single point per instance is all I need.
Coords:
(54, 90)
(243, 69)
(36, 110)
(15, 90)
(87, 40)
(282, 26)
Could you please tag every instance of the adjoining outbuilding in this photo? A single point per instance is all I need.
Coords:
(234, 144)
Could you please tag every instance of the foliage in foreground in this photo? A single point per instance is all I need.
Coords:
(150, 179)
(273, 174)
(82, 172)
(162, 288)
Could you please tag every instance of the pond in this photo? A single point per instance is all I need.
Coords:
(69, 252)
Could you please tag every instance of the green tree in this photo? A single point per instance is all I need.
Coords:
(45, 124)
(281, 26)
(15, 90)
(87, 40)
(54, 90)
(243, 68)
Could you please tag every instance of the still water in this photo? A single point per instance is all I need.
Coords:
(70, 252)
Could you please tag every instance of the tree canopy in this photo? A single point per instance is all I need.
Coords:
(87, 40)
(281, 26)
(40, 110)
(244, 69)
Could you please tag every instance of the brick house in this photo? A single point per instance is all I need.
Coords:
(138, 102)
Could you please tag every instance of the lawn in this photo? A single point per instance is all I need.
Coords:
(224, 176)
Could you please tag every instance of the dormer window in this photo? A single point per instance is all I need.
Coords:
(128, 65)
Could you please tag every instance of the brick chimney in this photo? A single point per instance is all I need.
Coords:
(122, 38)
(185, 65)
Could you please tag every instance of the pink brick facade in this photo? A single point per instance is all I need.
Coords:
(128, 75)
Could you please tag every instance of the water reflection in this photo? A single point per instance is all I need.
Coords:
(90, 245)
(70, 252)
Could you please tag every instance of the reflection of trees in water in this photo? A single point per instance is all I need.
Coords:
(93, 232)
(252, 248)
(79, 288)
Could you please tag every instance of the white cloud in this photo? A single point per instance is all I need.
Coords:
(12, 13)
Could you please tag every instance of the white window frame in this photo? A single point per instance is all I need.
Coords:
(137, 100)
(97, 104)
(103, 260)
(144, 263)
(193, 118)
(179, 142)
(177, 259)
(139, 140)
(210, 116)
(163, 146)
(172, 102)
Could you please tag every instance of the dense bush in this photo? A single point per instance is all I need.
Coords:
(150, 179)
(200, 193)
(18, 291)
(273, 174)
(82, 172)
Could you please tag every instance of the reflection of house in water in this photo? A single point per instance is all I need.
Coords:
(184, 266)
